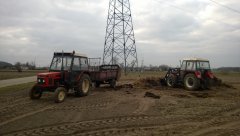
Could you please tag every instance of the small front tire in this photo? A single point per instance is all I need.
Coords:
(35, 92)
(171, 81)
(59, 94)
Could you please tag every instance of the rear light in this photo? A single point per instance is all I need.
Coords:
(198, 74)
(210, 74)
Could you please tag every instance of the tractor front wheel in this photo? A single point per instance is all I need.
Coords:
(60, 94)
(171, 80)
(35, 92)
(191, 82)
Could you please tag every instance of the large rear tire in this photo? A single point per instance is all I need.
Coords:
(60, 94)
(84, 86)
(35, 92)
(171, 80)
(191, 82)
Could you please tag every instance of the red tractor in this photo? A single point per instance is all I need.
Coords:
(71, 72)
(194, 73)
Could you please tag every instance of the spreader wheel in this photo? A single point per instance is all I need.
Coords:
(113, 83)
(97, 84)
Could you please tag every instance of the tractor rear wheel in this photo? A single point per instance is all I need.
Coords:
(35, 92)
(171, 80)
(191, 82)
(84, 86)
(60, 94)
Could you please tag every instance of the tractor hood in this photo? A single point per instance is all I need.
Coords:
(55, 75)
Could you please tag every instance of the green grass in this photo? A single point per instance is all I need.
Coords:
(228, 77)
(15, 88)
(10, 74)
(232, 74)
(232, 78)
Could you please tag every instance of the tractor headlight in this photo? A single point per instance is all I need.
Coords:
(41, 81)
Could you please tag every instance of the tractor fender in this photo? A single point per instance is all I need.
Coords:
(81, 74)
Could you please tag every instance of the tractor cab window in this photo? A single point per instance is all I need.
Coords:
(203, 65)
(76, 64)
(190, 65)
(84, 63)
(183, 66)
(58, 62)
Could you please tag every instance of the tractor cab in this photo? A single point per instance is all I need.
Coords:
(64, 69)
(200, 67)
(68, 62)
(193, 64)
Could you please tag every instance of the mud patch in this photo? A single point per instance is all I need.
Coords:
(126, 86)
(181, 95)
(227, 85)
(217, 82)
(149, 82)
(128, 92)
(201, 94)
(152, 95)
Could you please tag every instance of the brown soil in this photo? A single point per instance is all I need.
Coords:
(141, 108)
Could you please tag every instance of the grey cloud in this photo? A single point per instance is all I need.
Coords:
(35, 29)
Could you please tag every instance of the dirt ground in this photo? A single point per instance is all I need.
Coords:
(130, 109)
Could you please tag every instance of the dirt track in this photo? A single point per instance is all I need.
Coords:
(16, 81)
(124, 111)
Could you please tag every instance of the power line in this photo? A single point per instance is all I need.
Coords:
(187, 11)
(174, 6)
(229, 8)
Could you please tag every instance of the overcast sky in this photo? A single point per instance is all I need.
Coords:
(165, 30)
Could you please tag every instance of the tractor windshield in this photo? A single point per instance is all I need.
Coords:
(203, 65)
(58, 62)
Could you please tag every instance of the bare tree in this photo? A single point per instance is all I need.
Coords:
(163, 67)
(18, 66)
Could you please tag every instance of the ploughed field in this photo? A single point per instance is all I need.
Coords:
(138, 106)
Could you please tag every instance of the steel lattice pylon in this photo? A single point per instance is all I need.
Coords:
(119, 46)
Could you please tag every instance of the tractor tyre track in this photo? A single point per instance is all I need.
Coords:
(93, 126)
